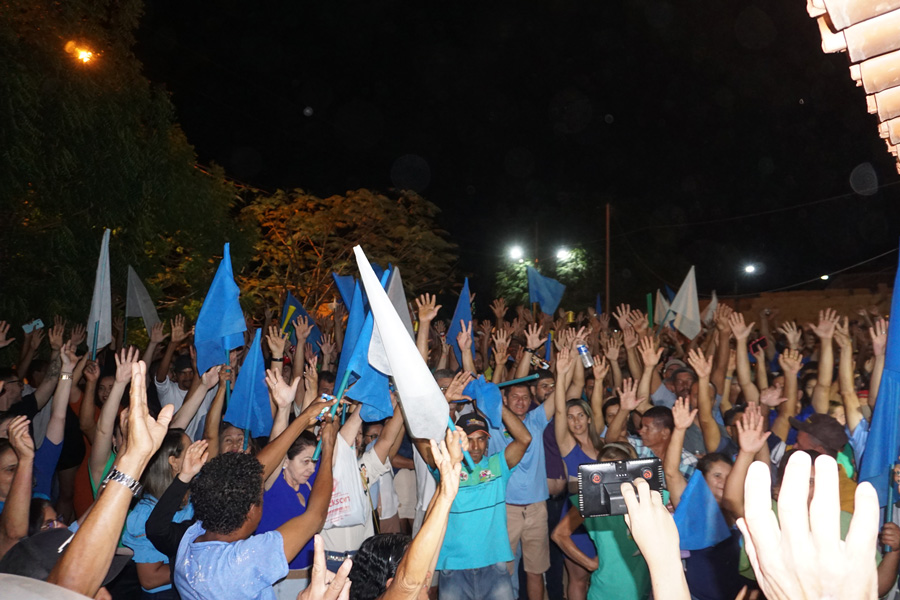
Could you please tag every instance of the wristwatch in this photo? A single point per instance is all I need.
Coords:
(126, 480)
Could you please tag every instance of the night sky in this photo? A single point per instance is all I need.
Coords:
(521, 120)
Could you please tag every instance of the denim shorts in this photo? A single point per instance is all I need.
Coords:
(486, 583)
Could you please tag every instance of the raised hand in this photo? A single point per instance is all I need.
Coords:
(611, 349)
(793, 335)
(20, 439)
(828, 320)
(211, 377)
(126, 359)
(464, 337)
(179, 334)
(454, 392)
(533, 337)
(682, 414)
(327, 345)
(501, 345)
(276, 340)
(447, 458)
(600, 369)
(498, 307)
(56, 333)
(303, 326)
(751, 430)
(565, 360)
(638, 320)
(308, 351)
(485, 328)
(842, 334)
(622, 313)
(310, 375)
(701, 364)
(650, 352)
(628, 395)
(323, 584)
(879, 336)
(630, 337)
(739, 329)
(67, 357)
(791, 362)
(158, 333)
(145, 434)
(78, 334)
(195, 457)
(773, 396)
(92, 372)
(722, 315)
(427, 307)
(282, 392)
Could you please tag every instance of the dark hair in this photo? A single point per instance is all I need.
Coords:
(710, 459)
(224, 491)
(662, 416)
(158, 474)
(305, 440)
(546, 374)
(596, 441)
(327, 376)
(36, 515)
(733, 414)
(443, 374)
(8, 373)
(614, 401)
(375, 563)
(617, 451)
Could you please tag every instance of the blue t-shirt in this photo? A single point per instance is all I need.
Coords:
(135, 536)
(478, 516)
(281, 504)
(45, 459)
(528, 483)
(240, 570)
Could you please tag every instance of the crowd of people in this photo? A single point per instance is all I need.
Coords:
(120, 478)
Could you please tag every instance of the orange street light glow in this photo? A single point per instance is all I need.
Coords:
(82, 54)
(85, 55)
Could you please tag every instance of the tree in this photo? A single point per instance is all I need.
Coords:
(90, 145)
(579, 271)
(304, 238)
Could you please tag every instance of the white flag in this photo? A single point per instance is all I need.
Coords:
(99, 326)
(710, 313)
(424, 406)
(661, 309)
(686, 307)
(138, 302)
(397, 296)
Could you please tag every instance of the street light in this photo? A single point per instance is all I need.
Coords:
(824, 277)
(516, 252)
(563, 254)
(750, 269)
(82, 54)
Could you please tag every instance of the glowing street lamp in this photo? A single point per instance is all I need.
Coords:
(750, 269)
(824, 277)
(516, 252)
(563, 254)
(83, 54)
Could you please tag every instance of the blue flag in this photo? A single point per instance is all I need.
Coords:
(883, 444)
(548, 350)
(545, 291)
(698, 517)
(220, 325)
(670, 293)
(598, 307)
(249, 407)
(463, 312)
(487, 396)
(368, 385)
(292, 310)
(355, 322)
(344, 285)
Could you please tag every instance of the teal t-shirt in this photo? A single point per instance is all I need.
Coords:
(476, 529)
(622, 572)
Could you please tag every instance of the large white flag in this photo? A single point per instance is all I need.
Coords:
(377, 356)
(661, 309)
(424, 406)
(138, 302)
(710, 313)
(686, 307)
(99, 325)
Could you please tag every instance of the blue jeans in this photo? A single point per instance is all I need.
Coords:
(486, 583)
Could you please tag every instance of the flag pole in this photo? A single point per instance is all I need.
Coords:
(650, 310)
(519, 380)
(889, 509)
(340, 396)
(469, 462)
(96, 335)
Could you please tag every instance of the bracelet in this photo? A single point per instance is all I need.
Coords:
(65, 376)
(529, 350)
(277, 359)
(729, 377)
(126, 480)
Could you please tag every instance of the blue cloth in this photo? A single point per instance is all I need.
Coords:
(663, 396)
(670, 293)
(280, 505)
(712, 573)
(369, 386)
(528, 483)
(463, 313)
(45, 459)
(575, 458)
(884, 432)
(580, 536)
(355, 320)
(489, 400)
(345, 285)
(486, 583)
(548, 347)
(287, 317)
(598, 307)
(249, 406)
(858, 438)
(545, 291)
(698, 517)
(220, 324)
(135, 536)
(245, 569)
(479, 509)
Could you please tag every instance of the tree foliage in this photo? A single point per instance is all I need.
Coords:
(304, 238)
(580, 272)
(92, 145)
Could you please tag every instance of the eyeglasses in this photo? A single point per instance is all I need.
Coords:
(53, 523)
(444, 388)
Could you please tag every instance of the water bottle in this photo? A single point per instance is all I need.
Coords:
(585, 355)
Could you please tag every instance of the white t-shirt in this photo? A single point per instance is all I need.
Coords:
(169, 393)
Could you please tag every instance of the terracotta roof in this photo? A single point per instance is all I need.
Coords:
(869, 32)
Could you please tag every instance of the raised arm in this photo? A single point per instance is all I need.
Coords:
(751, 439)
(214, 414)
(628, 401)
(533, 341)
(103, 438)
(845, 375)
(611, 351)
(501, 351)
(723, 348)
(88, 407)
(790, 361)
(564, 363)
(762, 373)
(195, 397)
(14, 516)
(520, 435)
(650, 353)
(675, 482)
(766, 316)
(879, 344)
(464, 340)
(86, 561)
(428, 308)
(178, 335)
(56, 426)
(600, 368)
(157, 336)
(712, 436)
(824, 329)
(741, 333)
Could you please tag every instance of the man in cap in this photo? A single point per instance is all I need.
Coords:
(822, 433)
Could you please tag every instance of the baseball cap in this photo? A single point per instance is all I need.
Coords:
(824, 428)
(471, 422)
(182, 362)
(35, 556)
(674, 362)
